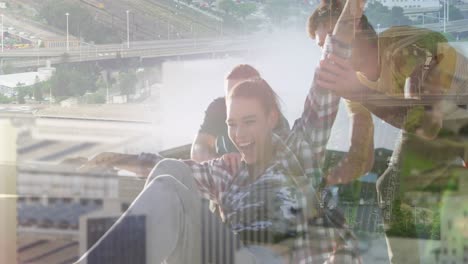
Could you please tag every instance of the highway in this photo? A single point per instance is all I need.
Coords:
(141, 49)
(157, 48)
(450, 26)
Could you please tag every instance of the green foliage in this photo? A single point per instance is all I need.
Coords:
(99, 97)
(399, 18)
(413, 119)
(402, 221)
(449, 36)
(81, 21)
(435, 230)
(8, 68)
(127, 83)
(380, 14)
(351, 192)
(73, 81)
(4, 99)
(243, 10)
(37, 90)
(45, 88)
(277, 10)
(227, 6)
(22, 92)
(454, 13)
(405, 224)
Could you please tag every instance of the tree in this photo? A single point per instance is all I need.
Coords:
(243, 10)
(46, 88)
(99, 97)
(399, 18)
(37, 90)
(127, 83)
(4, 99)
(8, 68)
(380, 14)
(73, 81)
(22, 92)
(454, 13)
(435, 230)
(227, 6)
(277, 10)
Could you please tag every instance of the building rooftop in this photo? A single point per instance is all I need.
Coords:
(24, 78)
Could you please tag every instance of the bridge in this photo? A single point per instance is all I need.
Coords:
(22, 58)
(139, 49)
(450, 26)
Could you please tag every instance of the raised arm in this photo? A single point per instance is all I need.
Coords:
(419, 116)
(315, 124)
(344, 30)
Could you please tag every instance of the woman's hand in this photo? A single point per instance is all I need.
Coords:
(233, 161)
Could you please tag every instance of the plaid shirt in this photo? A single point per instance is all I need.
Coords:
(312, 230)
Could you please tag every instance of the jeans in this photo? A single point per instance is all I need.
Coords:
(179, 226)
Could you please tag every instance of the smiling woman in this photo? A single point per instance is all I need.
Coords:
(253, 113)
(276, 203)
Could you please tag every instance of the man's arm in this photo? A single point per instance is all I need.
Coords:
(140, 164)
(214, 123)
(419, 116)
(360, 157)
(203, 148)
(348, 21)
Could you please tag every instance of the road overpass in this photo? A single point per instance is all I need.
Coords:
(138, 49)
(450, 26)
(23, 58)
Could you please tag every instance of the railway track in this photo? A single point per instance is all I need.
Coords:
(149, 20)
